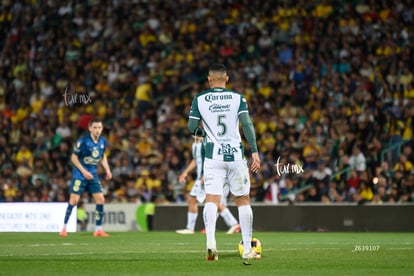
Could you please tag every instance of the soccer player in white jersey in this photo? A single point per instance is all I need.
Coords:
(198, 194)
(220, 110)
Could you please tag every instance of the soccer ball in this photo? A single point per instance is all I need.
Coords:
(256, 246)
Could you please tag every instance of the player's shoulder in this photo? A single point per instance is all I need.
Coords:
(103, 140)
(202, 93)
(233, 91)
(82, 139)
(218, 91)
(235, 95)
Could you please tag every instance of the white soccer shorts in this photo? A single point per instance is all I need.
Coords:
(217, 173)
(198, 191)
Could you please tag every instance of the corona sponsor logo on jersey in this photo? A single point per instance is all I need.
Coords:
(219, 107)
(210, 97)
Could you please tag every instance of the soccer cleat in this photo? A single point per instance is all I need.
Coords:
(203, 231)
(234, 229)
(100, 233)
(63, 233)
(212, 255)
(185, 231)
(252, 255)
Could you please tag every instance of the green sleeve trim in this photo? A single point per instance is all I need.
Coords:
(192, 124)
(248, 130)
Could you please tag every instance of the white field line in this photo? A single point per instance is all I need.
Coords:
(290, 244)
(183, 251)
(4, 254)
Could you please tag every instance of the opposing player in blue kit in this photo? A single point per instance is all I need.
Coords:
(88, 152)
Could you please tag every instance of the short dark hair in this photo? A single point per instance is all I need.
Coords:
(94, 120)
(217, 67)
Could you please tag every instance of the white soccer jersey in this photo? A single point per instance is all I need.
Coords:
(219, 110)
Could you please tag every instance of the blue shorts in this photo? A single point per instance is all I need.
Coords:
(93, 186)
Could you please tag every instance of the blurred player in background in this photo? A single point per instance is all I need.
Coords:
(198, 193)
(82, 217)
(88, 152)
(220, 110)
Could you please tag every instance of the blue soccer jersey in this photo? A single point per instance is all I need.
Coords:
(89, 154)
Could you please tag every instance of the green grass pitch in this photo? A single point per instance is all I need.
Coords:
(168, 253)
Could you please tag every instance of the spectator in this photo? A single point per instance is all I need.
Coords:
(322, 173)
(357, 160)
(365, 191)
(63, 130)
(312, 195)
(353, 181)
(143, 96)
(404, 165)
(24, 156)
(394, 195)
(272, 190)
(82, 217)
(359, 87)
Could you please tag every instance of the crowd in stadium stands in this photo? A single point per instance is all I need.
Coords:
(329, 84)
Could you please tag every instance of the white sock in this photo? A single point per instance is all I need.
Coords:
(98, 227)
(228, 217)
(246, 226)
(191, 220)
(210, 216)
